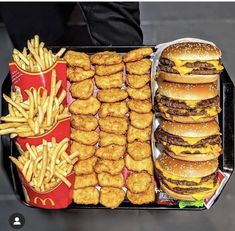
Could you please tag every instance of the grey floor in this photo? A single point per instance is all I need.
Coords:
(160, 22)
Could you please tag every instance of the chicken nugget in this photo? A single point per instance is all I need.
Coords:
(142, 198)
(85, 106)
(109, 70)
(137, 54)
(111, 152)
(112, 167)
(138, 134)
(82, 90)
(111, 197)
(114, 125)
(111, 95)
(82, 181)
(141, 93)
(88, 138)
(109, 81)
(85, 166)
(141, 121)
(76, 74)
(84, 151)
(139, 67)
(106, 58)
(109, 138)
(84, 122)
(108, 180)
(137, 81)
(138, 182)
(118, 109)
(139, 165)
(77, 59)
(140, 106)
(86, 196)
(139, 150)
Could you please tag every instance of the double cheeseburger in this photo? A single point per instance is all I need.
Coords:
(190, 62)
(188, 103)
(185, 180)
(190, 142)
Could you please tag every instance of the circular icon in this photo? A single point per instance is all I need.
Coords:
(16, 220)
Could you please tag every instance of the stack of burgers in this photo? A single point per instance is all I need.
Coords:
(188, 100)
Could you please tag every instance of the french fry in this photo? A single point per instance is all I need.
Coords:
(17, 163)
(60, 52)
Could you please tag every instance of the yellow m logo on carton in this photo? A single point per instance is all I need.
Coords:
(44, 201)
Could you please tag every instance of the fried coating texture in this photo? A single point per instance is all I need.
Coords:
(76, 74)
(88, 138)
(137, 54)
(84, 151)
(84, 122)
(140, 106)
(111, 197)
(139, 165)
(111, 152)
(118, 109)
(85, 106)
(86, 196)
(109, 70)
(111, 95)
(108, 139)
(82, 181)
(82, 90)
(85, 166)
(141, 121)
(138, 134)
(108, 180)
(109, 81)
(106, 58)
(139, 67)
(137, 81)
(114, 125)
(77, 59)
(139, 150)
(141, 93)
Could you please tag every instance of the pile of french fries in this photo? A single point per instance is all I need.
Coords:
(46, 165)
(36, 57)
(38, 114)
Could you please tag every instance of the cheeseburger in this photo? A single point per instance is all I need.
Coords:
(185, 180)
(190, 62)
(191, 142)
(188, 103)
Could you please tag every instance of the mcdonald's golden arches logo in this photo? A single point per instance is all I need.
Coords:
(44, 201)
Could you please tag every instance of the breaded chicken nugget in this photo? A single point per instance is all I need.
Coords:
(88, 138)
(111, 197)
(109, 70)
(82, 181)
(86, 196)
(139, 150)
(138, 182)
(106, 58)
(137, 81)
(78, 59)
(85, 151)
(111, 95)
(139, 67)
(138, 134)
(82, 90)
(108, 138)
(85, 106)
(137, 54)
(76, 74)
(141, 121)
(142, 198)
(85, 166)
(111, 152)
(114, 125)
(118, 109)
(108, 180)
(109, 81)
(141, 93)
(140, 106)
(139, 165)
(84, 122)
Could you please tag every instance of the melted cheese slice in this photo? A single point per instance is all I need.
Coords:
(192, 140)
(201, 195)
(191, 103)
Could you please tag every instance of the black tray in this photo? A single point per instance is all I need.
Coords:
(226, 121)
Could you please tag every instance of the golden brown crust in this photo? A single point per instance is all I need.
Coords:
(112, 95)
(118, 109)
(88, 138)
(82, 181)
(86, 196)
(137, 81)
(109, 70)
(137, 54)
(139, 150)
(85, 166)
(106, 58)
(135, 134)
(140, 106)
(139, 67)
(82, 90)
(84, 122)
(141, 120)
(139, 94)
(76, 74)
(84, 151)
(108, 180)
(108, 138)
(111, 152)
(110, 81)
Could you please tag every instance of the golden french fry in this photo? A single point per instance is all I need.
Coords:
(21, 56)
(44, 165)
(13, 135)
(24, 106)
(50, 58)
(31, 152)
(60, 52)
(58, 85)
(25, 168)
(64, 179)
(24, 52)
(62, 96)
(46, 58)
(9, 125)
(13, 119)
(29, 172)
(17, 163)
(73, 155)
